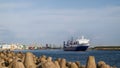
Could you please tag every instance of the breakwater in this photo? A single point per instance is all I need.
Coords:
(106, 48)
(9, 59)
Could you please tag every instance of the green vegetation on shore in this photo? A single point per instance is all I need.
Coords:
(106, 48)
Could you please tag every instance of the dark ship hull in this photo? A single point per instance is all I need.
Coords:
(77, 48)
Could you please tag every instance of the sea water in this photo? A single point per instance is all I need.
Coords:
(110, 57)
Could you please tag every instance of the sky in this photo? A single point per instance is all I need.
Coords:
(55, 21)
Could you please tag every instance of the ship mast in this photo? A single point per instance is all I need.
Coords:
(82, 37)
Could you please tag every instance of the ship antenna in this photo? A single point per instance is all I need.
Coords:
(82, 37)
(71, 38)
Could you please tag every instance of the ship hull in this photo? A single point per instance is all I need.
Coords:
(78, 48)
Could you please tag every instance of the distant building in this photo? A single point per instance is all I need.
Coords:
(0, 46)
(8, 46)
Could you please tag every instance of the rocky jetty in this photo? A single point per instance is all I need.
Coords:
(9, 59)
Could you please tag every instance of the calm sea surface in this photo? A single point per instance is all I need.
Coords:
(110, 57)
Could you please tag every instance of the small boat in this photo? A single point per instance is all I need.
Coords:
(77, 45)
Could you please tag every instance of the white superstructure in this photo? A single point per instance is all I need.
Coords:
(83, 41)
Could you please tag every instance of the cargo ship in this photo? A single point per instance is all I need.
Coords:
(76, 45)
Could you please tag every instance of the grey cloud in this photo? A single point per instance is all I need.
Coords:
(14, 5)
(52, 25)
(6, 36)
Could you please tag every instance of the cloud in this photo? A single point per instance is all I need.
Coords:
(13, 5)
(6, 36)
(55, 24)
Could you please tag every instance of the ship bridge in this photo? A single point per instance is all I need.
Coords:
(83, 40)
